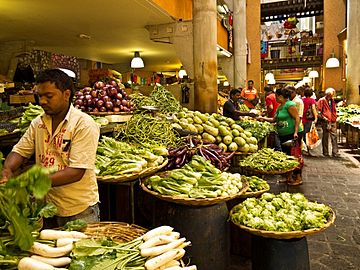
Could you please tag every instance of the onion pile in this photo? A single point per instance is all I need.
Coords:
(103, 98)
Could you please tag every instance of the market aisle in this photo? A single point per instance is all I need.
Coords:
(336, 182)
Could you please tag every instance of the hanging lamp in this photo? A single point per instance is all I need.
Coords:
(137, 61)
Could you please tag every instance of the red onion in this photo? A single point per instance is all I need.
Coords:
(109, 105)
(102, 109)
(99, 85)
(94, 93)
(119, 96)
(106, 98)
(124, 103)
(116, 109)
(99, 103)
(78, 102)
(78, 93)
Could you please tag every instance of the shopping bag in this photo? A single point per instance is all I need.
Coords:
(312, 138)
(296, 152)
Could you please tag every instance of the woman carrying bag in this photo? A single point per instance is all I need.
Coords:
(289, 128)
(310, 115)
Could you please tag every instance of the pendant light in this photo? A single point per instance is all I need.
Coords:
(271, 81)
(182, 72)
(269, 76)
(313, 74)
(137, 61)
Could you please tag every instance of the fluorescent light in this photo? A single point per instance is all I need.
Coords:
(68, 72)
(332, 62)
(269, 76)
(137, 62)
(313, 74)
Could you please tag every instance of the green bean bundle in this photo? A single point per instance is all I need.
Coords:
(150, 131)
(140, 100)
(165, 100)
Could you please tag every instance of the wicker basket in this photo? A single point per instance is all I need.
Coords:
(117, 231)
(194, 201)
(287, 235)
(254, 194)
(130, 177)
(260, 172)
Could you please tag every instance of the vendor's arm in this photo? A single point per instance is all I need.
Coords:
(295, 114)
(241, 113)
(12, 163)
(267, 119)
(66, 176)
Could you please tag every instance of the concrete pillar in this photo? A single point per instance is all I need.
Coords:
(353, 53)
(205, 56)
(253, 38)
(239, 43)
(334, 23)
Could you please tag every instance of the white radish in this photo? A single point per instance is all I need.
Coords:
(162, 259)
(158, 240)
(169, 264)
(28, 263)
(180, 254)
(65, 241)
(154, 251)
(49, 234)
(61, 261)
(52, 252)
(184, 245)
(175, 235)
(165, 230)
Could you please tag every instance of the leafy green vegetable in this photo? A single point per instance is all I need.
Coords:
(75, 225)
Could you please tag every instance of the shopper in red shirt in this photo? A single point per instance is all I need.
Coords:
(327, 113)
(270, 101)
(309, 102)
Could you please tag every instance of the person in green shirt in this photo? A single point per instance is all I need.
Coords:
(288, 126)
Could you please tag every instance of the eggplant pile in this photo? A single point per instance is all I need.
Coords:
(191, 146)
(103, 98)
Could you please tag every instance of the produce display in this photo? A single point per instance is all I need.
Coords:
(350, 114)
(149, 131)
(159, 97)
(120, 158)
(197, 179)
(267, 159)
(191, 146)
(31, 112)
(159, 248)
(103, 97)
(258, 129)
(255, 183)
(217, 129)
(285, 212)
(244, 108)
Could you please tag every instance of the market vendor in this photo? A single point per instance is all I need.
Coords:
(232, 108)
(63, 139)
(250, 95)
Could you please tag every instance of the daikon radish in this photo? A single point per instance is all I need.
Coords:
(28, 263)
(154, 251)
(52, 252)
(49, 234)
(162, 259)
(169, 264)
(158, 240)
(175, 235)
(61, 261)
(162, 230)
(65, 241)
(180, 254)
(184, 245)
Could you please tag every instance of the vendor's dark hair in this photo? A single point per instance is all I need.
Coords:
(290, 88)
(61, 80)
(234, 91)
(283, 92)
(308, 92)
(250, 81)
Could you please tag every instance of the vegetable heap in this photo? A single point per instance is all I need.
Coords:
(217, 129)
(255, 184)
(258, 129)
(197, 179)
(349, 113)
(268, 159)
(149, 131)
(110, 97)
(120, 158)
(283, 213)
(31, 112)
(179, 156)
(159, 97)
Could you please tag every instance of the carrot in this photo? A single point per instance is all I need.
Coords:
(48, 251)
(162, 230)
(62, 261)
(28, 263)
(154, 251)
(162, 259)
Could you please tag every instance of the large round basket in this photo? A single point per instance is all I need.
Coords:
(287, 235)
(254, 194)
(130, 177)
(117, 231)
(193, 201)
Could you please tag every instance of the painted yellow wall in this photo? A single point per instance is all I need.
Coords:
(253, 38)
(334, 23)
(179, 9)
